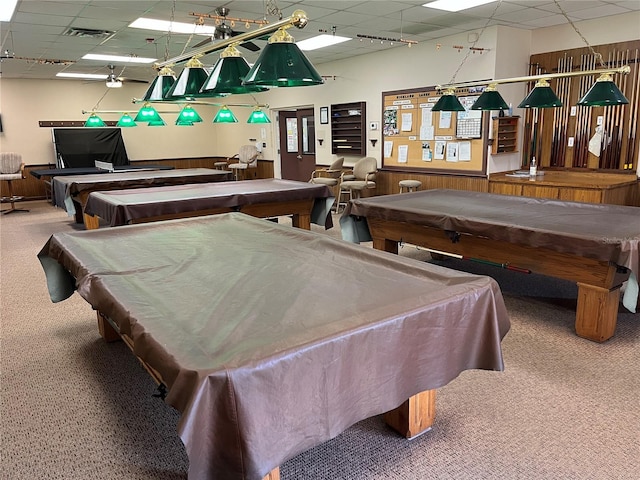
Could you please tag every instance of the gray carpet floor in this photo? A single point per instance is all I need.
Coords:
(74, 407)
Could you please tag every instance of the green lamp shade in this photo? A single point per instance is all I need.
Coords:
(157, 123)
(258, 116)
(490, 100)
(282, 65)
(226, 78)
(225, 115)
(188, 115)
(183, 123)
(188, 83)
(147, 114)
(541, 97)
(603, 93)
(126, 121)
(448, 103)
(94, 121)
(159, 87)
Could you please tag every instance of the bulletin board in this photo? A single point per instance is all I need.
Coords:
(414, 138)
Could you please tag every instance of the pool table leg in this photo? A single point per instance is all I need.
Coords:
(91, 222)
(415, 416)
(597, 312)
(273, 474)
(301, 221)
(107, 332)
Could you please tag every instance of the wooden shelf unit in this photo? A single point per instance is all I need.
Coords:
(348, 128)
(505, 135)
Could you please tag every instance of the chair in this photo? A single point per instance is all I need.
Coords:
(328, 176)
(362, 177)
(247, 158)
(11, 168)
(220, 165)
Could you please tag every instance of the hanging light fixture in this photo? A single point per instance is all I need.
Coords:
(490, 99)
(542, 96)
(603, 93)
(258, 116)
(126, 121)
(160, 85)
(225, 115)
(189, 81)
(159, 122)
(147, 114)
(282, 64)
(448, 102)
(94, 121)
(188, 116)
(227, 75)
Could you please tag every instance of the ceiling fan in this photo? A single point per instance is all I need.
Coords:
(224, 30)
(116, 81)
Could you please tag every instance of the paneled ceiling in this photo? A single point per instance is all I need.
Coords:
(37, 36)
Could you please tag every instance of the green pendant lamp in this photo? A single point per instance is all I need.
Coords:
(189, 82)
(188, 116)
(126, 121)
(448, 102)
(94, 121)
(227, 75)
(282, 64)
(157, 123)
(541, 96)
(225, 115)
(161, 85)
(258, 116)
(147, 114)
(490, 100)
(603, 93)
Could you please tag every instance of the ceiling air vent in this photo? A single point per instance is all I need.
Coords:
(87, 32)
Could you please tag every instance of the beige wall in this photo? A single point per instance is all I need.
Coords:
(363, 78)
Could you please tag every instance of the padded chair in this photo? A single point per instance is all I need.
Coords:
(362, 177)
(329, 176)
(11, 168)
(247, 158)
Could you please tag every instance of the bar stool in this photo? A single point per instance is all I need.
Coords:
(410, 185)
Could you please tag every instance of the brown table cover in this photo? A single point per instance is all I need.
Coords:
(272, 340)
(604, 232)
(65, 188)
(120, 207)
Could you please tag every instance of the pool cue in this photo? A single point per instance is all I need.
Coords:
(577, 145)
(633, 117)
(478, 260)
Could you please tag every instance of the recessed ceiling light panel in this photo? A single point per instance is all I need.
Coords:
(87, 76)
(173, 27)
(320, 41)
(118, 58)
(456, 5)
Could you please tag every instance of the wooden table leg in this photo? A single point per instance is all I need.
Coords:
(91, 222)
(385, 244)
(301, 221)
(273, 474)
(107, 332)
(597, 312)
(415, 416)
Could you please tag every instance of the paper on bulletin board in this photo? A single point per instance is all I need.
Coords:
(388, 148)
(445, 120)
(407, 122)
(440, 146)
(403, 151)
(452, 152)
(427, 132)
(427, 115)
(464, 151)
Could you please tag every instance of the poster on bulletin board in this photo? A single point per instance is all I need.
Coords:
(415, 138)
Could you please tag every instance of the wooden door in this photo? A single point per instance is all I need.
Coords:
(297, 144)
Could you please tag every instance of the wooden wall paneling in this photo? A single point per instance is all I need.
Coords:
(387, 182)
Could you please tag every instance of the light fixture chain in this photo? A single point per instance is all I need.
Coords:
(598, 55)
(171, 18)
(472, 47)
